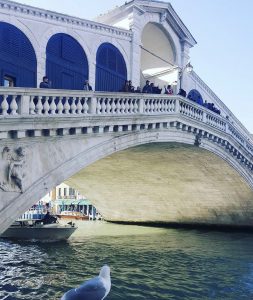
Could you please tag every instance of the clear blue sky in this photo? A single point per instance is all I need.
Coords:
(224, 32)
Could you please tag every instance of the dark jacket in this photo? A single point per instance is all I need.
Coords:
(45, 85)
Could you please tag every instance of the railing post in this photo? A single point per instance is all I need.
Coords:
(141, 106)
(177, 106)
(93, 106)
(227, 128)
(24, 105)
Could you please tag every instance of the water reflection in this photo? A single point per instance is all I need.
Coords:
(145, 264)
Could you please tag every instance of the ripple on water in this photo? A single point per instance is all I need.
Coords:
(163, 264)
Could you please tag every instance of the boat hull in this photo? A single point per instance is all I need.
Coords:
(54, 233)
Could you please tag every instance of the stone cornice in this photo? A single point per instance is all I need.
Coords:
(39, 13)
(218, 101)
(153, 7)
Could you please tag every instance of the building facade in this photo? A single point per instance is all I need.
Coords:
(139, 40)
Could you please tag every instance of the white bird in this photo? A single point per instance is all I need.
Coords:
(96, 288)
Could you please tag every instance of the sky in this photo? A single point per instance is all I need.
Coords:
(222, 57)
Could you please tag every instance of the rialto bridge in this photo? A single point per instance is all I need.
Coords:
(142, 158)
(137, 157)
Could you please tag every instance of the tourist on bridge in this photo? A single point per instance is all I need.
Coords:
(125, 88)
(168, 90)
(138, 90)
(146, 88)
(130, 87)
(87, 86)
(182, 93)
(45, 84)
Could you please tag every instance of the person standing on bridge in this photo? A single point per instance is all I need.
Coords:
(45, 84)
(87, 86)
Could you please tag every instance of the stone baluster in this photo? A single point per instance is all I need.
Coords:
(169, 105)
(108, 106)
(160, 105)
(46, 106)
(113, 106)
(163, 105)
(136, 105)
(52, 106)
(118, 106)
(148, 106)
(60, 106)
(73, 106)
(103, 105)
(123, 107)
(79, 106)
(4, 105)
(126, 106)
(182, 108)
(13, 106)
(98, 110)
(31, 105)
(152, 105)
(66, 106)
(85, 106)
(39, 106)
(131, 106)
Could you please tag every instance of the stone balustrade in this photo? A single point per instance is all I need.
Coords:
(32, 102)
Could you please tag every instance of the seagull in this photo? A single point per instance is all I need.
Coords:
(96, 288)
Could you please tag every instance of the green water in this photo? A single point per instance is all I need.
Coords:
(146, 263)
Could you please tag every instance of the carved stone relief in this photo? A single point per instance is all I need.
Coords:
(197, 141)
(12, 168)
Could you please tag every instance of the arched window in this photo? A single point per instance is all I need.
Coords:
(66, 64)
(195, 96)
(111, 71)
(18, 64)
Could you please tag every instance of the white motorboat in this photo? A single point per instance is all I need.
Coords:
(30, 230)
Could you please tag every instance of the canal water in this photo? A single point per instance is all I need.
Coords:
(146, 264)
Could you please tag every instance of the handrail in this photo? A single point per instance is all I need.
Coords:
(31, 102)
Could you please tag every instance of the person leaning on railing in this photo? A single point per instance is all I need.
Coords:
(45, 84)
(87, 86)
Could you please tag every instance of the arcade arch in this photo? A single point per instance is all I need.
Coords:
(66, 62)
(18, 63)
(158, 56)
(111, 71)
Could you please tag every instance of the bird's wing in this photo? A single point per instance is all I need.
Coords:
(93, 284)
(92, 289)
(85, 294)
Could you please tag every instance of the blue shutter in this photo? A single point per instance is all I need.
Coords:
(17, 56)
(195, 96)
(111, 71)
(66, 64)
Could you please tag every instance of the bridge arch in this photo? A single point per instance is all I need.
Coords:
(111, 71)
(158, 55)
(17, 57)
(202, 161)
(195, 96)
(66, 62)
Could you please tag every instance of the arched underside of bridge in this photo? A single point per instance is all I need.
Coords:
(167, 183)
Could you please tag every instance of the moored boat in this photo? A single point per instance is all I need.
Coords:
(72, 215)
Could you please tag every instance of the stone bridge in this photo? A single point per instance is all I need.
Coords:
(137, 157)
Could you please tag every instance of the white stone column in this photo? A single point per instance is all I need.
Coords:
(184, 60)
(41, 68)
(92, 71)
(135, 58)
